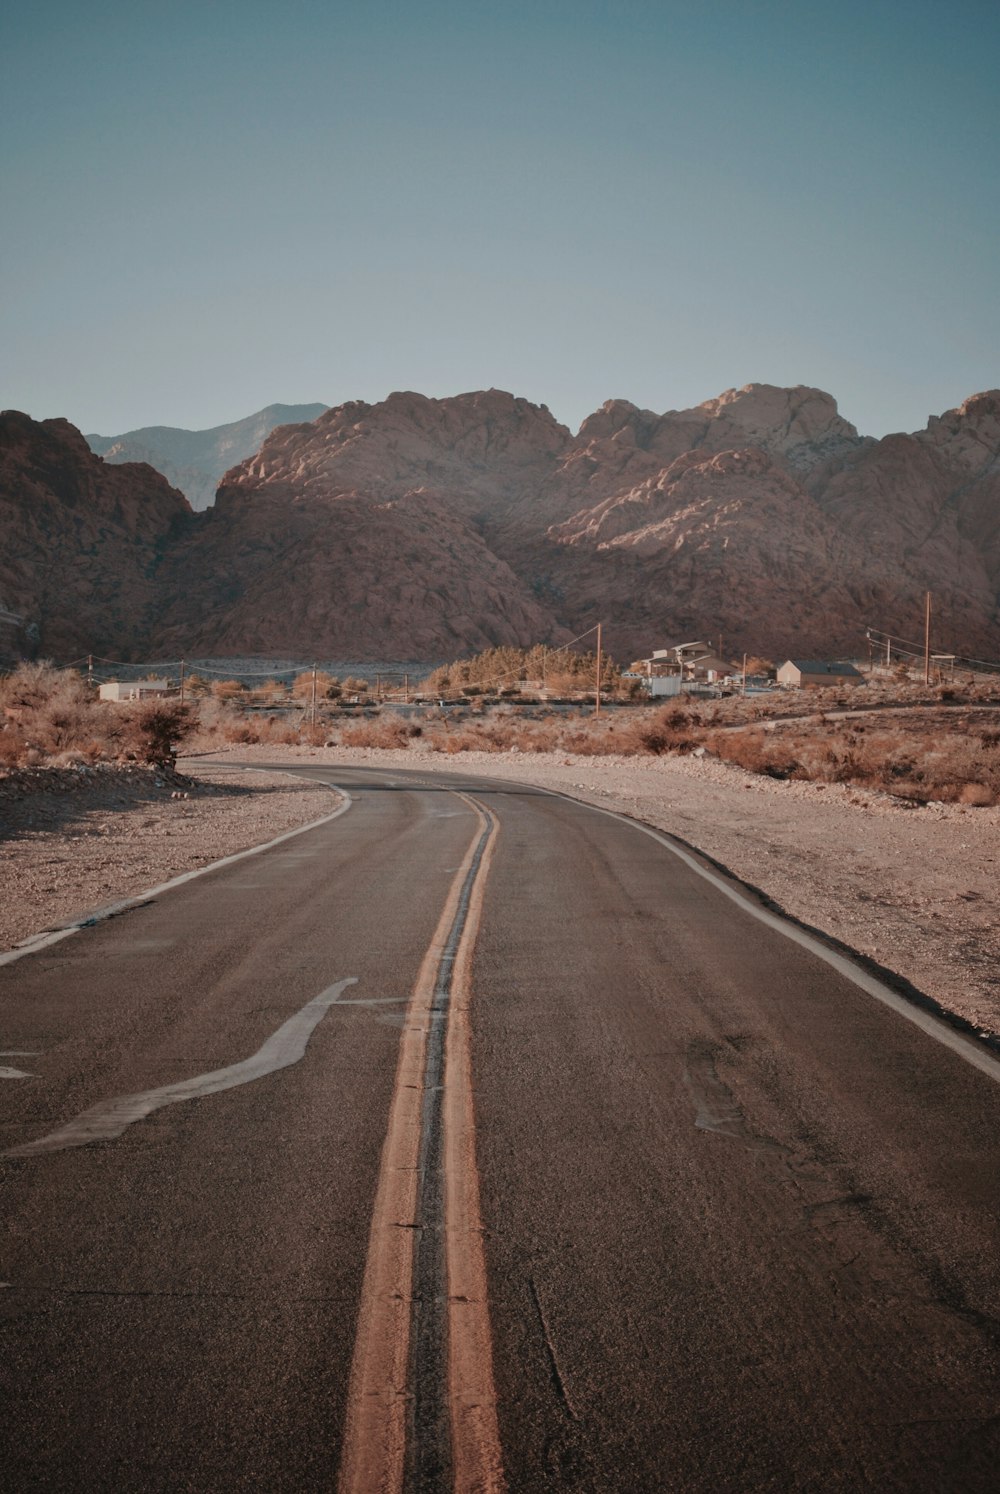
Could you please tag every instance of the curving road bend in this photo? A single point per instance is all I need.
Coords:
(475, 1139)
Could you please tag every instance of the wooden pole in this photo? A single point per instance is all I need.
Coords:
(927, 640)
(314, 695)
(744, 674)
(182, 682)
(597, 690)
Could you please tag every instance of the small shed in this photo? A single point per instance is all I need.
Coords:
(810, 673)
(133, 689)
(658, 685)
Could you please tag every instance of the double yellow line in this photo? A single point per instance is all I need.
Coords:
(374, 1456)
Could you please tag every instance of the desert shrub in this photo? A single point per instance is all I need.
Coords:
(387, 731)
(11, 747)
(977, 794)
(756, 750)
(280, 732)
(152, 730)
(48, 713)
(240, 731)
(42, 685)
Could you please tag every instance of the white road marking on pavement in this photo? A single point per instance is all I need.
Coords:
(109, 1119)
(6, 1073)
(37, 942)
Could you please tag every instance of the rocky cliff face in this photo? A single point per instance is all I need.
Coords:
(194, 461)
(429, 528)
(365, 535)
(81, 541)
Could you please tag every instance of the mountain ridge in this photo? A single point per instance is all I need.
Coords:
(195, 460)
(422, 527)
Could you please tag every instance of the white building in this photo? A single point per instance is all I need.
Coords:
(133, 689)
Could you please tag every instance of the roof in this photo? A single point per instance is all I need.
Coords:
(821, 666)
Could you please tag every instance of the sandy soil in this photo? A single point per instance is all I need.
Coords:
(71, 842)
(915, 889)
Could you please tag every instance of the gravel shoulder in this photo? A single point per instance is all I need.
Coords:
(914, 889)
(72, 841)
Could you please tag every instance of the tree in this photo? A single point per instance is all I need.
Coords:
(303, 685)
(155, 728)
(758, 665)
(268, 692)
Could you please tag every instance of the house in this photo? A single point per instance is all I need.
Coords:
(809, 673)
(684, 662)
(134, 689)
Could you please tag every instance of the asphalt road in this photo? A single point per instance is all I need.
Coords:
(738, 1216)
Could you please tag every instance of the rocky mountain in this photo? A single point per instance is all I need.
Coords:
(432, 527)
(81, 540)
(194, 461)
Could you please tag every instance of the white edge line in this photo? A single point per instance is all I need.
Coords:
(963, 1046)
(36, 942)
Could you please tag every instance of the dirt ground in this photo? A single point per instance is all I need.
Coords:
(913, 888)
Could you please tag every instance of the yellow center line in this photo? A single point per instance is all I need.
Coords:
(476, 1457)
(379, 1395)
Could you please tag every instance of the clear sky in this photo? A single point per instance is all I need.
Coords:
(210, 207)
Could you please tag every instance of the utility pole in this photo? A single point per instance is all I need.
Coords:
(597, 689)
(744, 674)
(182, 682)
(314, 695)
(927, 640)
(90, 670)
(543, 666)
(406, 689)
(378, 686)
(888, 655)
